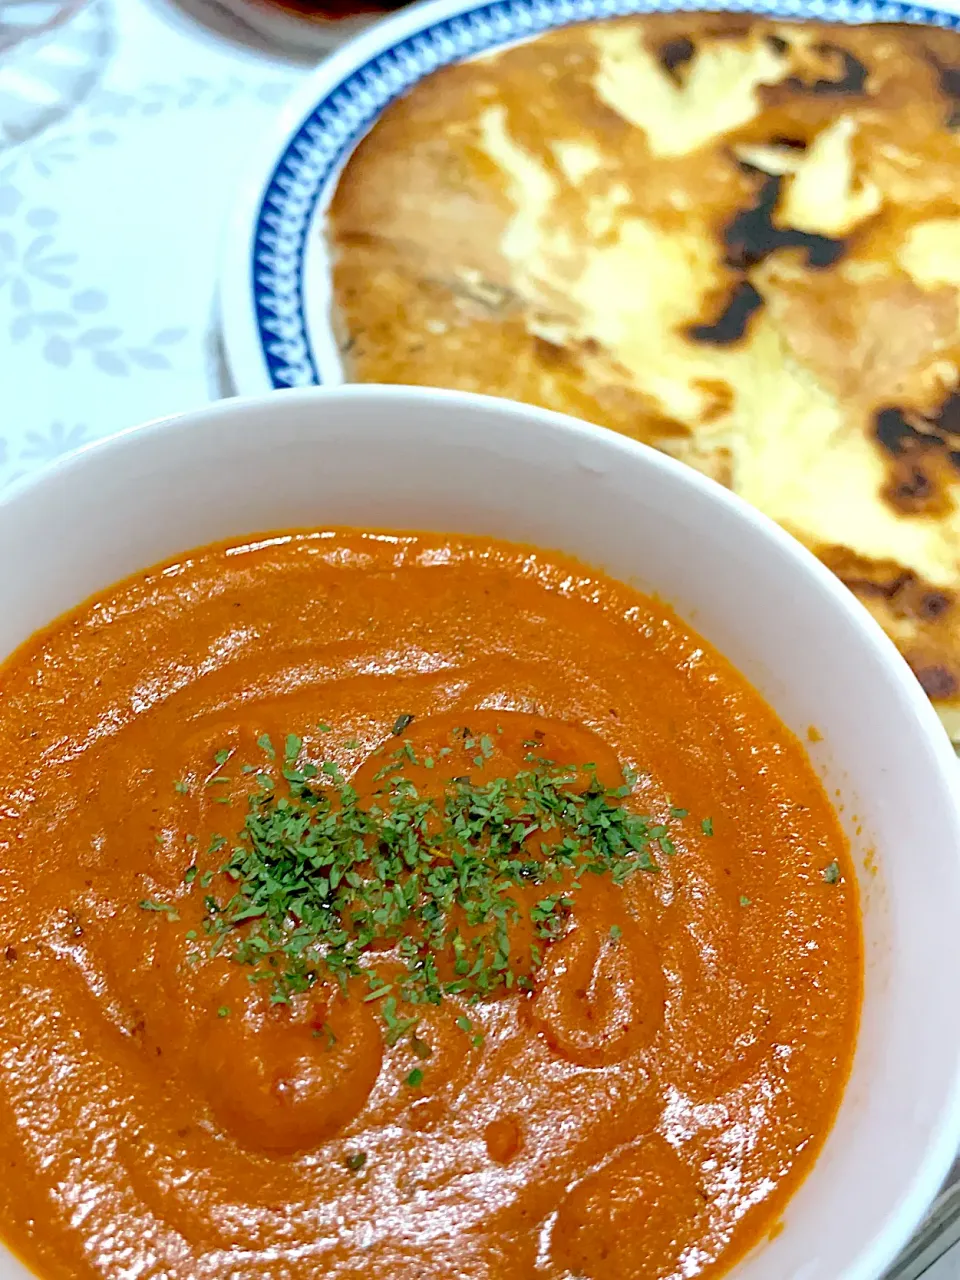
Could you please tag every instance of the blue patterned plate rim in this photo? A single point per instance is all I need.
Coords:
(265, 310)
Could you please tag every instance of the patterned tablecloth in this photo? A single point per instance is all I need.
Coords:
(123, 139)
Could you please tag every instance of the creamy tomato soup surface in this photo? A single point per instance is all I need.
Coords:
(407, 907)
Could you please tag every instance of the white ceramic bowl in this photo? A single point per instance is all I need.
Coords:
(402, 458)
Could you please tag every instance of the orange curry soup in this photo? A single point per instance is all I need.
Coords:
(472, 1068)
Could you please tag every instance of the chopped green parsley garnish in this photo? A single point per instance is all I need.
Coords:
(706, 826)
(356, 1160)
(319, 881)
(831, 874)
(149, 905)
(415, 1078)
(744, 900)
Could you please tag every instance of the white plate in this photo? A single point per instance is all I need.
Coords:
(275, 279)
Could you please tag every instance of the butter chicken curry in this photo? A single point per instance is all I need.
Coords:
(406, 907)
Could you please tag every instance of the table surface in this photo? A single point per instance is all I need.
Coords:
(111, 218)
(122, 143)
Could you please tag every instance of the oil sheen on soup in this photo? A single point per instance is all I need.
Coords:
(406, 907)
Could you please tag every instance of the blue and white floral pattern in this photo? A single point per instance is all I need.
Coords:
(315, 153)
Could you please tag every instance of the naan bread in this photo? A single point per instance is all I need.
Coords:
(734, 239)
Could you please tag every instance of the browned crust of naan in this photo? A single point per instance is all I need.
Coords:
(426, 295)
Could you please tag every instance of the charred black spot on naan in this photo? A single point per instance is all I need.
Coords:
(675, 54)
(950, 87)
(938, 682)
(752, 235)
(851, 79)
(923, 468)
(731, 324)
(894, 433)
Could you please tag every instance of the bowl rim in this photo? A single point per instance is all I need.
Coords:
(930, 1172)
(274, 218)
